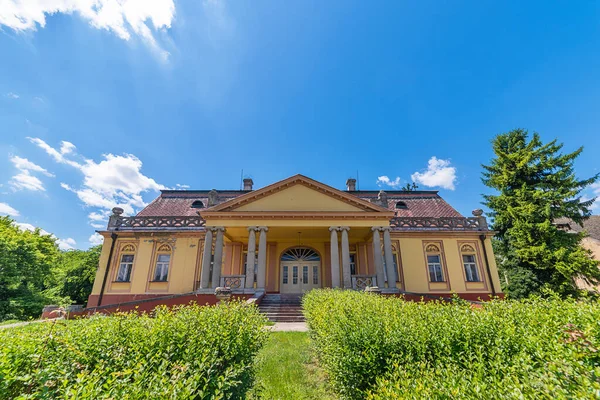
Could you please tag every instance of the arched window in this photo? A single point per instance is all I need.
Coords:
(126, 263)
(300, 254)
(163, 260)
(401, 205)
(469, 259)
(434, 263)
(198, 204)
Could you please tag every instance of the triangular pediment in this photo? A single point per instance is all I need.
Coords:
(297, 194)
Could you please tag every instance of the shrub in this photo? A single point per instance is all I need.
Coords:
(191, 352)
(381, 347)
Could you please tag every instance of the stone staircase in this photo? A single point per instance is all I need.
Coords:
(282, 307)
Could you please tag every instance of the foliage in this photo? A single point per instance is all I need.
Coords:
(26, 261)
(286, 369)
(384, 347)
(75, 273)
(536, 186)
(34, 272)
(191, 353)
(410, 187)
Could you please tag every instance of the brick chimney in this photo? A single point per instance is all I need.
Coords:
(248, 184)
(351, 184)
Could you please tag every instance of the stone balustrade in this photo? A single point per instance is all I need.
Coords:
(360, 282)
(447, 223)
(233, 281)
(118, 223)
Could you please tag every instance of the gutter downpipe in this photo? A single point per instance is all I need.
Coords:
(113, 237)
(487, 264)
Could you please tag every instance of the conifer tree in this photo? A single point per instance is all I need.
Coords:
(536, 186)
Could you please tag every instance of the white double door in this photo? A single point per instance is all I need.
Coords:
(299, 276)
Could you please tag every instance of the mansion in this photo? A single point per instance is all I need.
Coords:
(290, 237)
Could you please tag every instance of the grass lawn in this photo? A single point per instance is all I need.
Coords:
(287, 370)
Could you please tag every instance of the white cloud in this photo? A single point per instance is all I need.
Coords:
(28, 227)
(114, 181)
(386, 181)
(438, 173)
(66, 244)
(5, 209)
(180, 186)
(596, 190)
(23, 163)
(125, 18)
(24, 179)
(96, 239)
(12, 95)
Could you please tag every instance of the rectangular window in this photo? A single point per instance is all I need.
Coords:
(161, 271)
(352, 263)
(305, 275)
(285, 274)
(471, 271)
(295, 275)
(435, 268)
(125, 268)
(315, 275)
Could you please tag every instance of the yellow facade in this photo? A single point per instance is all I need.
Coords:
(298, 214)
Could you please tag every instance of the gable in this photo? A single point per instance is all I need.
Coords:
(304, 194)
(298, 198)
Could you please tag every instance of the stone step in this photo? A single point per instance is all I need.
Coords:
(286, 319)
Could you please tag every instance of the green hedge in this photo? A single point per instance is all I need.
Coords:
(191, 352)
(380, 347)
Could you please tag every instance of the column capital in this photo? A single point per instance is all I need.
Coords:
(376, 228)
(218, 229)
(344, 228)
(252, 228)
(262, 228)
(386, 228)
(334, 228)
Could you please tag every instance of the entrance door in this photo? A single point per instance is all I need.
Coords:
(300, 270)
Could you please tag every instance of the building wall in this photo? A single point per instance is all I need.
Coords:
(186, 259)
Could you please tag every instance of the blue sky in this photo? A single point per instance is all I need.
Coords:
(102, 106)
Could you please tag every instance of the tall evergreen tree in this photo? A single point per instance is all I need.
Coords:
(536, 186)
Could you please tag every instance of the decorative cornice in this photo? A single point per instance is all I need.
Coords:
(293, 215)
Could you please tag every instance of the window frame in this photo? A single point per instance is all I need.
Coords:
(163, 250)
(472, 248)
(125, 249)
(436, 248)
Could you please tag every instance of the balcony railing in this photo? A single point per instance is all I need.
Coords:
(140, 223)
(233, 281)
(448, 223)
(360, 282)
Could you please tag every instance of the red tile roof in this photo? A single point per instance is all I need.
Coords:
(419, 203)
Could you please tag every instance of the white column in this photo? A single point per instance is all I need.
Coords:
(206, 256)
(335, 258)
(346, 258)
(389, 258)
(378, 257)
(261, 275)
(218, 263)
(251, 257)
